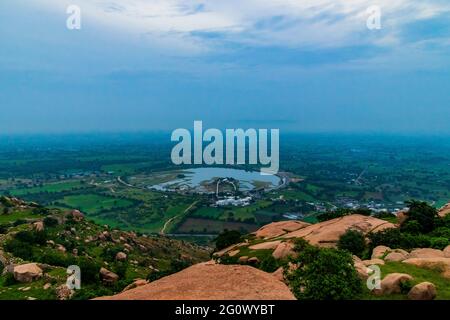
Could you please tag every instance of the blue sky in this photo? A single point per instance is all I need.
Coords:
(310, 65)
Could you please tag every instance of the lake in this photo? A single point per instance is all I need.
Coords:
(196, 177)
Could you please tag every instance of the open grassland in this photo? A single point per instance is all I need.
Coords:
(419, 275)
(93, 203)
(50, 188)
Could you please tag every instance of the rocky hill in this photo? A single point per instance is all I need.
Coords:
(211, 281)
(279, 261)
(260, 267)
(37, 244)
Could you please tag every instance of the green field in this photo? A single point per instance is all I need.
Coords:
(16, 215)
(50, 188)
(419, 275)
(93, 203)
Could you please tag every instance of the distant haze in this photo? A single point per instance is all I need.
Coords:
(308, 66)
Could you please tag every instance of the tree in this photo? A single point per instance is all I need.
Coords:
(352, 241)
(425, 215)
(323, 274)
(227, 238)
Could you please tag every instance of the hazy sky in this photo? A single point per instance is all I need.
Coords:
(303, 65)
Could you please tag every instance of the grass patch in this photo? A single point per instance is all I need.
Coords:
(92, 203)
(419, 275)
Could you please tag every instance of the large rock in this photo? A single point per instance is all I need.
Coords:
(265, 245)
(253, 260)
(395, 256)
(135, 284)
(379, 251)
(228, 249)
(445, 210)
(447, 251)
(76, 215)
(426, 253)
(373, 262)
(362, 270)
(27, 272)
(276, 229)
(327, 233)
(38, 226)
(402, 216)
(121, 256)
(279, 274)
(64, 293)
(284, 250)
(423, 291)
(108, 276)
(442, 264)
(392, 283)
(209, 281)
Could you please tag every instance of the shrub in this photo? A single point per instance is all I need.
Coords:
(394, 238)
(56, 259)
(341, 212)
(406, 286)
(120, 268)
(269, 264)
(32, 237)
(352, 241)
(109, 253)
(227, 238)
(19, 249)
(50, 222)
(9, 280)
(41, 211)
(4, 228)
(439, 242)
(425, 215)
(18, 222)
(89, 270)
(324, 274)
(89, 292)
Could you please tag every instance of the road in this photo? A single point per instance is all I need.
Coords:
(163, 230)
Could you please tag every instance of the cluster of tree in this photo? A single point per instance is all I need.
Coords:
(342, 212)
(423, 228)
(227, 238)
(322, 274)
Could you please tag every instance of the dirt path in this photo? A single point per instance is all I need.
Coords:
(163, 230)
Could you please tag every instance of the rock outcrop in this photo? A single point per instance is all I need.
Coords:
(392, 283)
(108, 276)
(135, 284)
(442, 264)
(76, 215)
(447, 251)
(426, 253)
(265, 245)
(284, 250)
(422, 291)
(38, 226)
(276, 229)
(395, 256)
(380, 251)
(121, 256)
(445, 210)
(327, 233)
(27, 272)
(210, 281)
